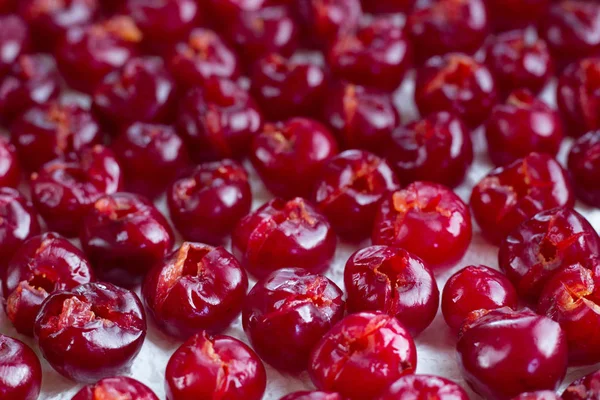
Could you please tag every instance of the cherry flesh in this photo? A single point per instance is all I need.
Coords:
(585, 388)
(423, 387)
(18, 222)
(116, 388)
(21, 377)
(584, 166)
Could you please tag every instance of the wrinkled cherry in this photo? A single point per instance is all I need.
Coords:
(92, 331)
(428, 220)
(374, 347)
(314, 395)
(289, 156)
(437, 149)
(10, 167)
(456, 83)
(288, 312)
(538, 395)
(197, 287)
(505, 353)
(326, 20)
(349, 189)
(424, 387)
(390, 279)
(475, 288)
(207, 204)
(116, 388)
(584, 166)
(506, 15)
(585, 388)
(522, 125)
(284, 234)
(41, 266)
(208, 367)
(21, 376)
(513, 193)
(18, 222)
(14, 41)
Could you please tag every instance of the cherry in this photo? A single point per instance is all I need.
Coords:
(285, 88)
(21, 377)
(218, 120)
(584, 166)
(314, 395)
(475, 288)
(458, 84)
(151, 155)
(390, 279)
(289, 156)
(41, 266)
(326, 20)
(387, 6)
(428, 220)
(112, 388)
(504, 353)
(7, 6)
(349, 189)
(378, 55)
(522, 125)
(207, 204)
(196, 287)
(513, 193)
(218, 366)
(63, 191)
(422, 387)
(288, 312)
(538, 395)
(361, 117)
(92, 331)
(437, 148)
(14, 41)
(229, 9)
(284, 234)
(53, 130)
(585, 388)
(362, 355)
(18, 222)
(506, 15)
(10, 167)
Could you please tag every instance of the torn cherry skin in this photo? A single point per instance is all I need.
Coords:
(18, 222)
(424, 387)
(326, 20)
(349, 189)
(113, 388)
(21, 377)
(91, 332)
(41, 266)
(289, 156)
(473, 288)
(584, 388)
(283, 234)
(428, 220)
(390, 279)
(543, 245)
(196, 287)
(584, 166)
(53, 130)
(314, 395)
(538, 395)
(287, 313)
(14, 40)
(503, 353)
(374, 347)
(511, 194)
(10, 166)
(124, 235)
(210, 367)
(507, 15)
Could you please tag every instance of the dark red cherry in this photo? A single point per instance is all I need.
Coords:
(14, 41)
(424, 387)
(115, 388)
(326, 20)
(538, 395)
(18, 222)
(506, 15)
(585, 388)
(10, 166)
(584, 166)
(21, 377)
(7, 6)
(314, 395)
(387, 6)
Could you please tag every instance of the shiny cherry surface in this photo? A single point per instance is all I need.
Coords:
(10, 166)
(115, 388)
(14, 40)
(326, 20)
(18, 222)
(21, 377)
(584, 166)
(423, 387)
(585, 388)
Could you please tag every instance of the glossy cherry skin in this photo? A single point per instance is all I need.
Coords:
(289, 156)
(584, 166)
(513, 193)
(151, 155)
(18, 222)
(436, 148)
(314, 395)
(14, 40)
(538, 395)
(10, 166)
(53, 130)
(349, 189)
(88, 53)
(196, 287)
(287, 313)
(423, 387)
(541, 246)
(63, 191)
(446, 26)
(91, 332)
(390, 279)
(41, 266)
(282, 234)
(124, 235)
(585, 388)
(522, 125)
(326, 20)
(285, 88)
(505, 353)
(506, 15)
(218, 121)
(21, 377)
(378, 54)
(210, 367)
(362, 355)
(202, 56)
(361, 117)
(458, 84)
(475, 288)
(207, 204)
(112, 388)
(428, 220)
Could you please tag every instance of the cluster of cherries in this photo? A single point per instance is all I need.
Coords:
(181, 91)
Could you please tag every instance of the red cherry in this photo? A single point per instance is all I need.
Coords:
(538, 395)
(585, 388)
(315, 395)
(423, 387)
(14, 40)
(584, 166)
(112, 388)
(10, 167)
(506, 15)
(21, 377)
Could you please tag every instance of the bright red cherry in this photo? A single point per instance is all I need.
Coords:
(585, 388)
(584, 166)
(314, 395)
(326, 20)
(14, 41)
(424, 387)
(10, 167)
(538, 395)
(18, 222)
(21, 377)
(506, 15)
(116, 388)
